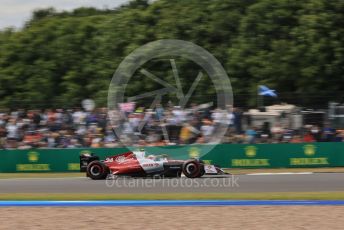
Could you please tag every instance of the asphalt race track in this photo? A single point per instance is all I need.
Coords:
(239, 183)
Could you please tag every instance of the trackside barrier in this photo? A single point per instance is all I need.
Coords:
(224, 155)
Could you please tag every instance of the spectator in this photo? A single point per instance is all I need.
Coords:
(328, 133)
(12, 133)
(188, 134)
(207, 130)
(251, 135)
(237, 120)
(339, 137)
(277, 131)
(296, 139)
(308, 137)
(74, 128)
(159, 112)
(264, 134)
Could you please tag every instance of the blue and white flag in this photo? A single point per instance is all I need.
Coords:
(265, 91)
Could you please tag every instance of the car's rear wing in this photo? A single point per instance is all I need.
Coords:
(85, 159)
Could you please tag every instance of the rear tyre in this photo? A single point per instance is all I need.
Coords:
(192, 169)
(96, 170)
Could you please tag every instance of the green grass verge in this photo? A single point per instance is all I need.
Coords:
(40, 175)
(180, 196)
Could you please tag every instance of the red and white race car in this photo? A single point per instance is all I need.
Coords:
(136, 164)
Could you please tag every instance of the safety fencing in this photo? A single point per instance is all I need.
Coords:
(223, 155)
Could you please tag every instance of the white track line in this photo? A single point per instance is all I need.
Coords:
(281, 173)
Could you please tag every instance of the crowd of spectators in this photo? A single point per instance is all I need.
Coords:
(76, 128)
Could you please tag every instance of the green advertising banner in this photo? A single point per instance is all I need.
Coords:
(48, 160)
(224, 155)
(277, 155)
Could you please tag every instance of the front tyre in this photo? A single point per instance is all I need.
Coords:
(191, 168)
(96, 170)
(202, 170)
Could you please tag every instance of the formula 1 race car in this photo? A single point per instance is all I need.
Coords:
(136, 164)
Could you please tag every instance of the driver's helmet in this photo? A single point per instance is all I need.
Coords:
(140, 154)
(151, 157)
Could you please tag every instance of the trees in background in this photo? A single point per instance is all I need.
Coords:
(59, 58)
